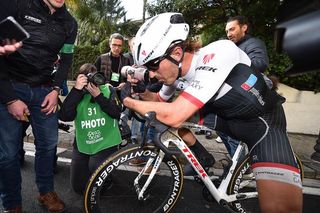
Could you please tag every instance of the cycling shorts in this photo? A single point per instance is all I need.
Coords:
(269, 147)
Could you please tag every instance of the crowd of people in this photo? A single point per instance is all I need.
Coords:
(187, 78)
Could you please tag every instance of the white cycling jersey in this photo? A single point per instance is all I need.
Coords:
(221, 83)
(209, 68)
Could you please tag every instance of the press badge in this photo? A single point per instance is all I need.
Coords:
(115, 77)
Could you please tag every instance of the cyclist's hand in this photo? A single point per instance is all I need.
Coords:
(140, 87)
(125, 91)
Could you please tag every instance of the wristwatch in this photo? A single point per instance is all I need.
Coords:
(58, 89)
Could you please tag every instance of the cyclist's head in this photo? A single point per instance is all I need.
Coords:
(156, 36)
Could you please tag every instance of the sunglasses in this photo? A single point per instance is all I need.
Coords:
(155, 63)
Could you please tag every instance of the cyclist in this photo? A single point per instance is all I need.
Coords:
(219, 80)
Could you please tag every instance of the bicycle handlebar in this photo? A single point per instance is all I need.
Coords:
(151, 120)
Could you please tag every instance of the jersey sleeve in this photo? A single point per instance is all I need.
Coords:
(214, 64)
(166, 92)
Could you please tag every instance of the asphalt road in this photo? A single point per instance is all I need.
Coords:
(191, 199)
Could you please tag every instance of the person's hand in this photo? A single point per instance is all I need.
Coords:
(125, 91)
(139, 87)
(19, 110)
(50, 103)
(9, 47)
(120, 86)
(81, 82)
(93, 89)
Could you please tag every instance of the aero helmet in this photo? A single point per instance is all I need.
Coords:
(157, 34)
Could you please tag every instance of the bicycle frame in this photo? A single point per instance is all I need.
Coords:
(219, 194)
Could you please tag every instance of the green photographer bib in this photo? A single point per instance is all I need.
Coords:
(95, 129)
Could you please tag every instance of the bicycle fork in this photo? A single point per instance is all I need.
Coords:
(157, 161)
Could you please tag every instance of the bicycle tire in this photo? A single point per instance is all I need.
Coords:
(163, 192)
(239, 184)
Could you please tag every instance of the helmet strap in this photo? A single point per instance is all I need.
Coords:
(178, 63)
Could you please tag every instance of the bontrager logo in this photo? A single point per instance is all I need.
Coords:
(30, 18)
(176, 186)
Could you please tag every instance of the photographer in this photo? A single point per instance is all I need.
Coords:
(95, 109)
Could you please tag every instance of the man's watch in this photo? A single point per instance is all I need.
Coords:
(58, 89)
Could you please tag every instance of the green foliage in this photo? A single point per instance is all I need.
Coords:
(208, 18)
(98, 19)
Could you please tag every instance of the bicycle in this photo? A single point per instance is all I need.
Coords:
(133, 191)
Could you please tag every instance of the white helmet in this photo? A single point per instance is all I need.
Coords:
(157, 34)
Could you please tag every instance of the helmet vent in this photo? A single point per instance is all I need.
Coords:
(138, 52)
(177, 19)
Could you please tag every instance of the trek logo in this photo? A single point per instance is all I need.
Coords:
(195, 162)
(207, 58)
(30, 18)
(249, 83)
(206, 68)
(148, 56)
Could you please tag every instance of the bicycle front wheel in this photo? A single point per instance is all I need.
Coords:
(111, 188)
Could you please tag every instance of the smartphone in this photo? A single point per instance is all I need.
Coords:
(12, 30)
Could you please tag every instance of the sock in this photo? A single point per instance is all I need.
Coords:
(202, 154)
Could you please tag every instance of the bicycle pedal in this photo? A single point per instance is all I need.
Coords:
(198, 179)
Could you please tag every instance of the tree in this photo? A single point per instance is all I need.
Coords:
(208, 18)
(97, 19)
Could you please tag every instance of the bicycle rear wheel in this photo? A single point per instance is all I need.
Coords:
(121, 196)
(243, 182)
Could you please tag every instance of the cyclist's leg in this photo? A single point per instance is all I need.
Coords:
(275, 196)
(273, 162)
(205, 158)
(277, 174)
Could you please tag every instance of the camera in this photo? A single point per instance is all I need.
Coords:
(97, 78)
(139, 73)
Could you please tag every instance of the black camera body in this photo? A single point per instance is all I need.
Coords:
(97, 78)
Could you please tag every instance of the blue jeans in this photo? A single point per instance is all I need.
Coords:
(45, 130)
(135, 126)
(150, 134)
(230, 143)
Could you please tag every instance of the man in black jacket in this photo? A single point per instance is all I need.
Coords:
(237, 28)
(111, 63)
(29, 92)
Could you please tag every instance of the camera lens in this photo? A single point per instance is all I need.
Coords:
(96, 78)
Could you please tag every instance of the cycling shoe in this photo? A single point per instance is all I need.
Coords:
(206, 162)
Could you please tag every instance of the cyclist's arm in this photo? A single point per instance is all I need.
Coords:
(149, 96)
(172, 114)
